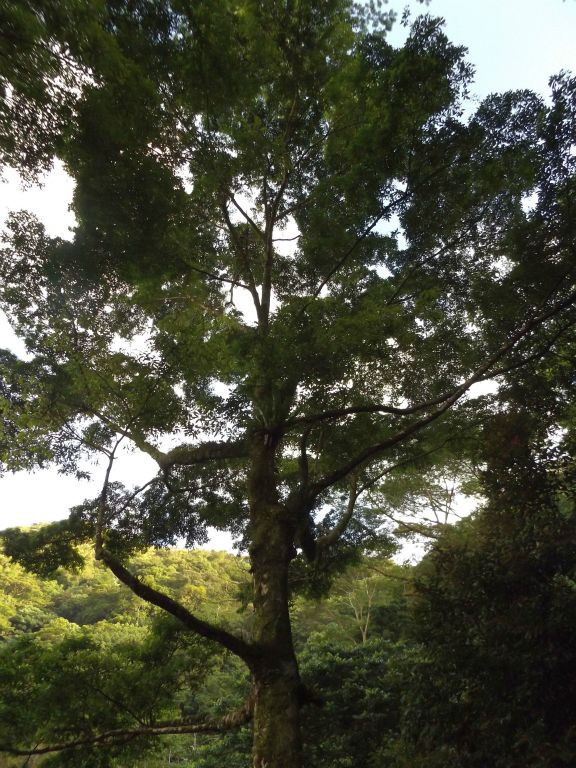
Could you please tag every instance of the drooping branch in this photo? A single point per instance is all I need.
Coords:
(203, 628)
(125, 735)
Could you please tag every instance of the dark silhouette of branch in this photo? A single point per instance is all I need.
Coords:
(246, 216)
(203, 628)
(337, 413)
(334, 535)
(350, 250)
(219, 278)
(251, 286)
(375, 450)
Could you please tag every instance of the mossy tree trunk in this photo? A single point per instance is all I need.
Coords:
(277, 739)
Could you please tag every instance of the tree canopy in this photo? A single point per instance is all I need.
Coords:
(294, 257)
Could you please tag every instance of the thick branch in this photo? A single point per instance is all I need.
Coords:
(124, 735)
(203, 628)
(188, 455)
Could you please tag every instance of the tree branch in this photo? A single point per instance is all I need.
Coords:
(246, 216)
(349, 251)
(218, 635)
(188, 455)
(416, 426)
(124, 735)
(219, 278)
(251, 286)
(337, 413)
(339, 529)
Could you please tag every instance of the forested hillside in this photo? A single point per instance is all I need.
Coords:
(79, 645)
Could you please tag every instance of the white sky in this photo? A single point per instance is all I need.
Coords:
(512, 43)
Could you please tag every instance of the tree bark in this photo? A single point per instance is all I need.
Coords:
(277, 689)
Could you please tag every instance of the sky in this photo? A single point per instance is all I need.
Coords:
(513, 44)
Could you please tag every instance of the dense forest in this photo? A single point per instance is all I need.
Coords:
(326, 297)
(466, 659)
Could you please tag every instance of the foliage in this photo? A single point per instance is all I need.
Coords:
(492, 683)
(356, 711)
(96, 652)
(47, 51)
(278, 388)
(84, 681)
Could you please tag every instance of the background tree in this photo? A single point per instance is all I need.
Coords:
(272, 384)
(492, 683)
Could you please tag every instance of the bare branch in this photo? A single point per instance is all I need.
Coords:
(338, 413)
(386, 574)
(539, 353)
(303, 465)
(285, 239)
(246, 216)
(439, 252)
(133, 495)
(251, 287)
(219, 278)
(418, 529)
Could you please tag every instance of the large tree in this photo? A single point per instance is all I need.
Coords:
(294, 257)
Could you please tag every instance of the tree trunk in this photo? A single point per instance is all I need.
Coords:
(276, 722)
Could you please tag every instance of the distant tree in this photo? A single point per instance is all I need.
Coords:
(293, 260)
(492, 683)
